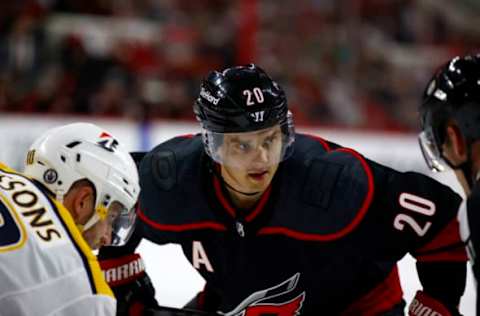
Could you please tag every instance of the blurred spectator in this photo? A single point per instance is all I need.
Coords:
(343, 63)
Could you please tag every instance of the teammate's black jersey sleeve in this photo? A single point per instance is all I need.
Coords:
(470, 219)
(472, 227)
(412, 213)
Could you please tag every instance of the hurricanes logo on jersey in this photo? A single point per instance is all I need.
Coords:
(107, 142)
(275, 301)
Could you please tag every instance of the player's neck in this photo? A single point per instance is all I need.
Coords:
(243, 201)
(241, 198)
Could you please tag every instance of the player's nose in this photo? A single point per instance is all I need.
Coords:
(262, 155)
(106, 238)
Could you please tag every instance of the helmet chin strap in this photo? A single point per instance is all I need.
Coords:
(91, 221)
(231, 187)
(59, 196)
(466, 168)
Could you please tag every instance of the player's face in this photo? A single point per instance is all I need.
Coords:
(250, 160)
(100, 234)
(450, 151)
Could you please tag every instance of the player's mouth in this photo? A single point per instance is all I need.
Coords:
(258, 175)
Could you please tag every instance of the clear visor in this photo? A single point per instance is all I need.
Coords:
(262, 148)
(431, 153)
(122, 221)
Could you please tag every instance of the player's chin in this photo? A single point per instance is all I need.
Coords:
(259, 184)
(95, 245)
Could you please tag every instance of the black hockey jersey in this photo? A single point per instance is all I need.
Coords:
(470, 223)
(323, 239)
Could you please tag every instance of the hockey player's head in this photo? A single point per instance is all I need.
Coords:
(93, 175)
(450, 117)
(247, 127)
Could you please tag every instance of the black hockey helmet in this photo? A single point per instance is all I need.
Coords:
(228, 100)
(452, 93)
(241, 99)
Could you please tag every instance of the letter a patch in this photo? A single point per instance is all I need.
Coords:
(199, 257)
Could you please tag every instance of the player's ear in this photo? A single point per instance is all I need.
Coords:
(456, 143)
(82, 203)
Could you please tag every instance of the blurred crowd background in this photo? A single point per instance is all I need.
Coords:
(349, 64)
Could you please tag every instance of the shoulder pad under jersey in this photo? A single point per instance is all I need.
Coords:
(326, 198)
(172, 194)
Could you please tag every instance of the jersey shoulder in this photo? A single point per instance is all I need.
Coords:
(36, 228)
(415, 192)
(161, 167)
(411, 211)
(329, 187)
(172, 180)
(337, 189)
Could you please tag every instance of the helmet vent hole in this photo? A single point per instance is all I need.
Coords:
(73, 144)
(60, 182)
(62, 157)
(128, 192)
(125, 181)
(78, 157)
(40, 163)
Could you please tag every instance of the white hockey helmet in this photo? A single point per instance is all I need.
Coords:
(72, 152)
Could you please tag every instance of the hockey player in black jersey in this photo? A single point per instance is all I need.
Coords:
(281, 223)
(451, 139)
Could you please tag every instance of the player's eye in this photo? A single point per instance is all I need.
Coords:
(269, 140)
(243, 146)
(112, 216)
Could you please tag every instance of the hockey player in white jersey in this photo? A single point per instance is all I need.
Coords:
(77, 192)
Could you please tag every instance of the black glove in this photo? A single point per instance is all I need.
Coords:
(206, 300)
(125, 273)
(132, 287)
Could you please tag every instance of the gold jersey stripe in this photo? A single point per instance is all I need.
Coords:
(97, 280)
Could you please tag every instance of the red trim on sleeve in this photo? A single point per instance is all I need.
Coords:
(424, 304)
(201, 298)
(453, 255)
(379, 300)
(321, 141)
(181, 227)
(187, 136)
(342, 232)
(446, 246)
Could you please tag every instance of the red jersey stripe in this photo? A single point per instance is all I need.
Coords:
(181, 227)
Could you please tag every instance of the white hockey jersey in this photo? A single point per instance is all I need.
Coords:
(46, 267)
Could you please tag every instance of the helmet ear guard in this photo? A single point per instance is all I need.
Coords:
(67, 154)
